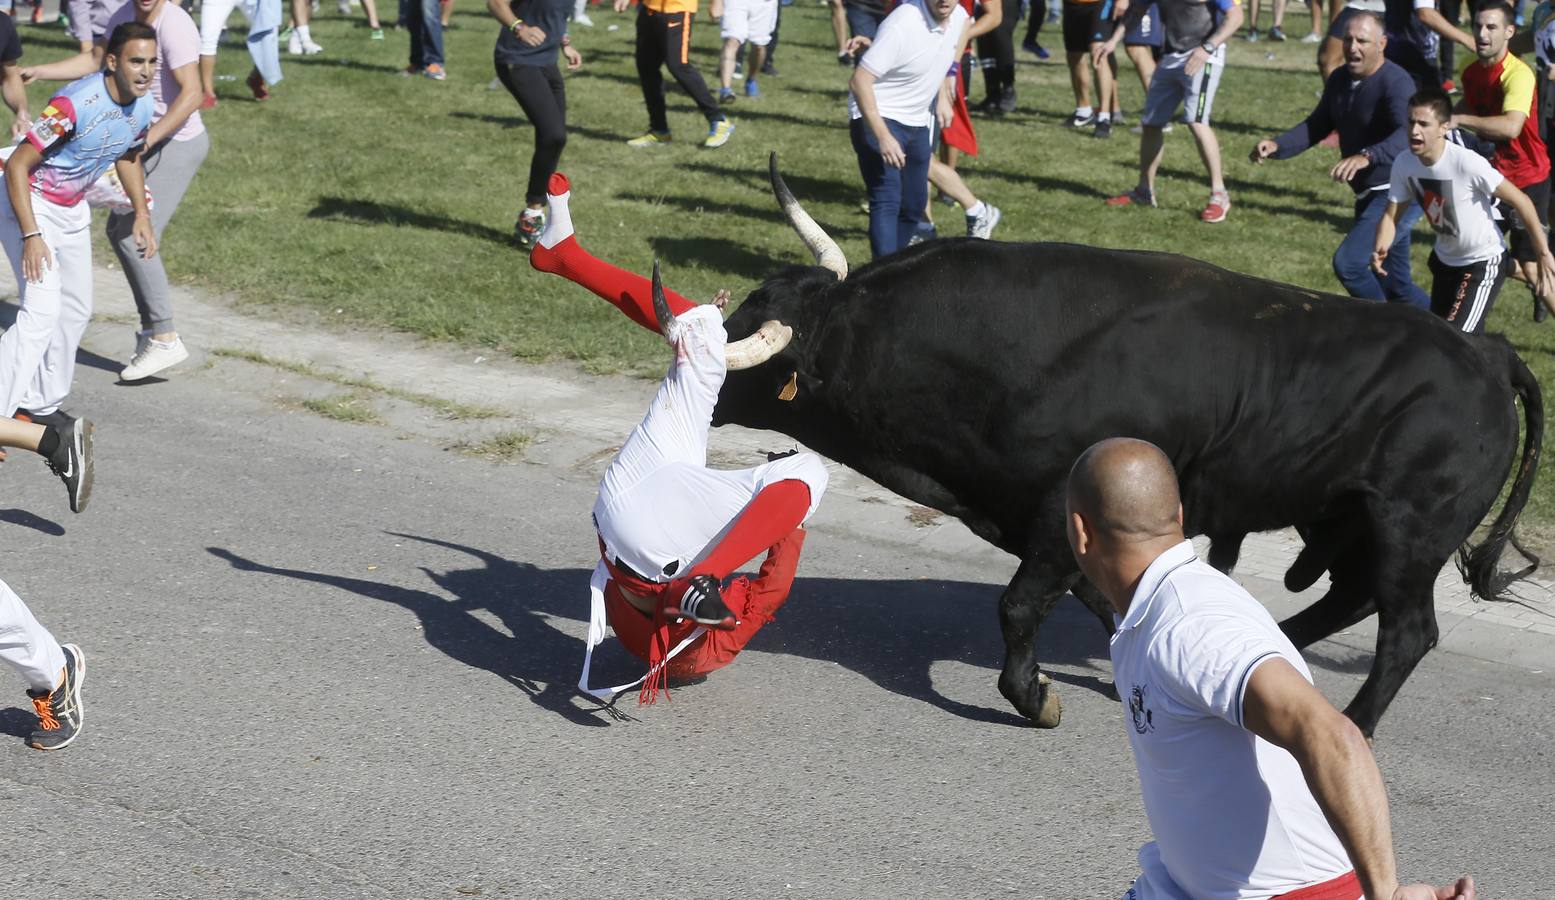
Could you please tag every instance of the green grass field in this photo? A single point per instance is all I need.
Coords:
(364, 197)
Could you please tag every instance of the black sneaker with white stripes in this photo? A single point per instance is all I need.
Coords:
(72, 461)
(703, 603)
(60, 711)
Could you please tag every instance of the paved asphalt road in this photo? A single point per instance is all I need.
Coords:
(336, 660)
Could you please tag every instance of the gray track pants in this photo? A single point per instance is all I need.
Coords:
(169, 169)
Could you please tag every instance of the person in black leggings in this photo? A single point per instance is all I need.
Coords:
(997, 52)
(525, 56)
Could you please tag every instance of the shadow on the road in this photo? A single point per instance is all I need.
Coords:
(31, 520)
(18, 722)
(889, 631)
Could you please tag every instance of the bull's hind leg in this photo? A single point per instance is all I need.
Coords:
(1406, 631)
(1349, 600)
(1028, 600)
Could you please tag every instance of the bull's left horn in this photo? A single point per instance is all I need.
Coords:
(768, 341)
(661, 306)
(827, 253)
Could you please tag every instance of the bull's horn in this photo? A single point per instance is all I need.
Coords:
(661, 306)
(826, 251)
(768, 341)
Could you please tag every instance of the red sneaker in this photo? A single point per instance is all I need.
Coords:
(1136, 197)
(1215, 211)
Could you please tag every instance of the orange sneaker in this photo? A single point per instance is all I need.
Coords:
(1215, 211)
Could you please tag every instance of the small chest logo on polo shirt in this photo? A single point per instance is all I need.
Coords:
(1143, 718)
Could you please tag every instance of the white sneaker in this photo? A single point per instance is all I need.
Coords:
(583, 19)
(311, 49)
(982, 226)
(344, 6)
(1140, 129)
(154, 356)
(294, 44)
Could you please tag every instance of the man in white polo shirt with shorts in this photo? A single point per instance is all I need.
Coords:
(1227, 730)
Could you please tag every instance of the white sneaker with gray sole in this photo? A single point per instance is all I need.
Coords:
(154, 356)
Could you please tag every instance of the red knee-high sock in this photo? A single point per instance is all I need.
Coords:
(559, 253)
(770, 516)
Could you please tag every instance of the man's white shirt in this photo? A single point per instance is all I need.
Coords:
(1232, 816)
(910, 58)
(1457, 195)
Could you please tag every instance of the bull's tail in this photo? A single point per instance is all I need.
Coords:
(1479, 565)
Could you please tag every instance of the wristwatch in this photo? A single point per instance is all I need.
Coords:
(1209, 47)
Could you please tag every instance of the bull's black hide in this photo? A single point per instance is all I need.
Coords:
(968, 375)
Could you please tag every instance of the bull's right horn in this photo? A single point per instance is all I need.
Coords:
(768, 341)
(826, 251)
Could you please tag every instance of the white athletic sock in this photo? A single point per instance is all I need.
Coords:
(303, 35)
(1104, 117)
(1082, 112)
(579, 7)
(558, 227)
(976, 210)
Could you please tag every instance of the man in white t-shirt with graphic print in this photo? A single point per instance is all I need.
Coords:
(1457, 189)
(1227, 730)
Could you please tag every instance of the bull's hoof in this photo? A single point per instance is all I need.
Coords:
(1036, 699)
(1049, 708)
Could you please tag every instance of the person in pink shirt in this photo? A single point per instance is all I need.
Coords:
(176, 146)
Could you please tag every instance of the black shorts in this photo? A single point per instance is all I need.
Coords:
(1341, 23)
(1516, 232)
(1082, 22)
(1463, 295)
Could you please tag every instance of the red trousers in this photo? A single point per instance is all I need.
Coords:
(753, 601)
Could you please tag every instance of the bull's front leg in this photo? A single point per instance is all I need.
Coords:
(1028, 600)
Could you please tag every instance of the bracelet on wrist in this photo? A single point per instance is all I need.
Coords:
(32, 234)
(517, 24)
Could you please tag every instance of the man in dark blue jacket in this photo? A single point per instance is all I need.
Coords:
(1367, 101)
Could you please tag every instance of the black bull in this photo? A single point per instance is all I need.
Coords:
(968, 375)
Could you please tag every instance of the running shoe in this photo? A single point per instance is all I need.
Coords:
(725, 95)
(377, 34)
(767, 68)
(719, 134)
(1252, 36)
(651, 139)
(434, 71)
(60, 711)
(844, 59)
(1103, 129)
(528, 229)
(1137, 196)
(1031, 46)
(1079, 121)
(1312, 37)
(924, 231)
(583, 19)
(1217, 208)
(751, 90)
(982, 226)
(703, 603)
(343, 7)
(1277, 34)
(72, 462)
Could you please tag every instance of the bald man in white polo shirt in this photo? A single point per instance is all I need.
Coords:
(897, 89)
(1227, 730)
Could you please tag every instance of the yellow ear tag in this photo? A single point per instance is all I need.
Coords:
(790, 390)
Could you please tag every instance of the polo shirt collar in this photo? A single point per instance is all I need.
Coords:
(928, 17)
(1150, 582)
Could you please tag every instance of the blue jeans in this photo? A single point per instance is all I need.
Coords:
(426, 32)
(1352, 261)
(862, 22)
(897, 197)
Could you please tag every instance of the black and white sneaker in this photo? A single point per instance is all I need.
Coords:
(703, 603)
(72, 461)
(1079, 121)
(982, 226)
(60, 710)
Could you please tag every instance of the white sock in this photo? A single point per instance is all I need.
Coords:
(1104, 117)
(579, 7)
(976, 209)
(1082, 112)
(303, 35)
(558, 227)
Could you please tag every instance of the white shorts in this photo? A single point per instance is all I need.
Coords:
(1171, 85)
(749, 20)
(660, 508)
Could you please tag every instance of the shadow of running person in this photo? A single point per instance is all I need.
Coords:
(889, 632)
(537, 659)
